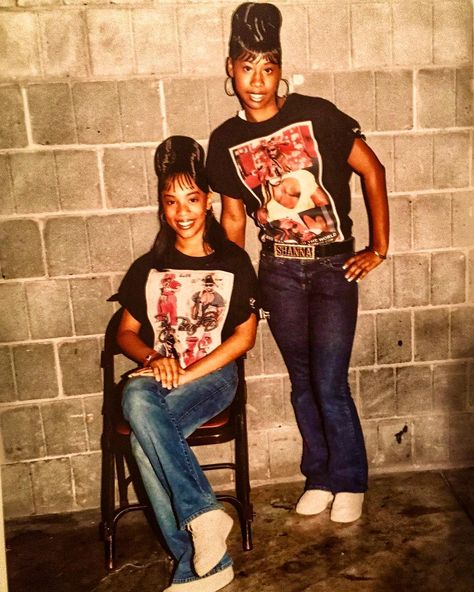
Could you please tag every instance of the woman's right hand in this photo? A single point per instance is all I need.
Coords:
(167, 371)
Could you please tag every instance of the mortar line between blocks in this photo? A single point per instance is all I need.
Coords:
(26, 111)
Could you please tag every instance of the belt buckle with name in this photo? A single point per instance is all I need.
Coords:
(288, 251)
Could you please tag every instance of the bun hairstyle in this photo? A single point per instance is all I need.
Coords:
(255, 30)
(182, 159)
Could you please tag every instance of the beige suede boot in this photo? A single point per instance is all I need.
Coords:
(347, 507)
(209, 532)
(313, 501)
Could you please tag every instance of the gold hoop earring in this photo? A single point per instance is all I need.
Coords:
(229, 93)
(287, 84)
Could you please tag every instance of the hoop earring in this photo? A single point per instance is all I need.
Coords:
(229, 93)
(287, 84)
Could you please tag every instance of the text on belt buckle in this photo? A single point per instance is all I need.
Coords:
(293, 251)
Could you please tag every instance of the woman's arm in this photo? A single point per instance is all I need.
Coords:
(365, 163)
(233, 219)
(241, 340)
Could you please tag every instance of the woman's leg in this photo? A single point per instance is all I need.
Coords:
(333, 314)
(285, 295)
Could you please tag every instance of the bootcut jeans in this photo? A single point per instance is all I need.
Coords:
(161, 419)
(312, 316)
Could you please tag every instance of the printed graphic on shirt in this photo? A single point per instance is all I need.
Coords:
(187, 310)
(284, 172)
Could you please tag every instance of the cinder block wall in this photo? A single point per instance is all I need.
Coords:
(89, 89)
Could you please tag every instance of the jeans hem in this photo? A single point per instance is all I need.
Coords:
(221, 567)
(214, 506)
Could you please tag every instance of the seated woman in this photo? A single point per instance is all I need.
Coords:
(175, 392)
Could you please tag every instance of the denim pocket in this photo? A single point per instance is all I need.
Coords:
(335, 262)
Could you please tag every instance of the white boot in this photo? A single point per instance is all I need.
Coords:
(313, 501)
(209, 531)
(347, 507)
(208, 584)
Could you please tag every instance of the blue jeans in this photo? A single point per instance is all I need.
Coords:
(177, 488)
(313, 312)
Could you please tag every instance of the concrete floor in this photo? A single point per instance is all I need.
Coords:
(417, 533)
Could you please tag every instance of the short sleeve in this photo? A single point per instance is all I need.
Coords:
(344, 129)
(244, 300)
(219, 167)
(131, 293)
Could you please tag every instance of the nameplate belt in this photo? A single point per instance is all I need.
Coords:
(291, 251)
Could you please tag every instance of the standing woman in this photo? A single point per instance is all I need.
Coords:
(308, 269)
(179, 389)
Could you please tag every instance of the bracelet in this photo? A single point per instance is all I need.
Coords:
(149, 359)
(375, 252)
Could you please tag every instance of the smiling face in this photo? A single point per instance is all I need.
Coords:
(256, 84)
(184, 208)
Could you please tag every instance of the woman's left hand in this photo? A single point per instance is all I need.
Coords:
(360, 264)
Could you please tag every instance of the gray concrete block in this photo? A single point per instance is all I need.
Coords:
(152, 180)
(451, 160)
(86, 476)
(464, 97)
(412, 33)
(17, 491)
(64, 427)
(285, 452)
(49, 309)
(462, 330)
(22, 433)
(371, 441)
(371, 35)
(413, 162)
(109, 240)
(431, 439)
(377, 392)
(400, 223)
(13, 327)
(394, 100)
(21, 254)
(51, 499)
(323, 51)
(414, 390)
(144, 227)
(360, 227)
(448, 277)
(78, 179)
(411, 280)
(363, 351)
(436, 98)
(221, 107)
(471, 277)
(96, 105)
(318, 84)
(431, 334)
(375, 290)
(7, 203)
(90, 308)
(259, 455)
(295, 18)
(12, 123)
(393, 337)
(155, 38)
(461, 442)
(452, 32)
(34, 182)
(110, 41)
(93, 412)
(360, 105)
(463, 218)
(125, 178)
(64, 41)
(431, 221)
(265, 403)
(51, 114)
(186, 117)
(66, 246)
(195, 56)
(450, 387)
(141, 110)
(394, 443)
(80, 367)
(272, 359)
(211, 454)
(35, 371)
(7, 384)
(20, 56)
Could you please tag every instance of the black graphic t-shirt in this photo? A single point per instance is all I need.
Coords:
(291, 170)
(188, 309)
